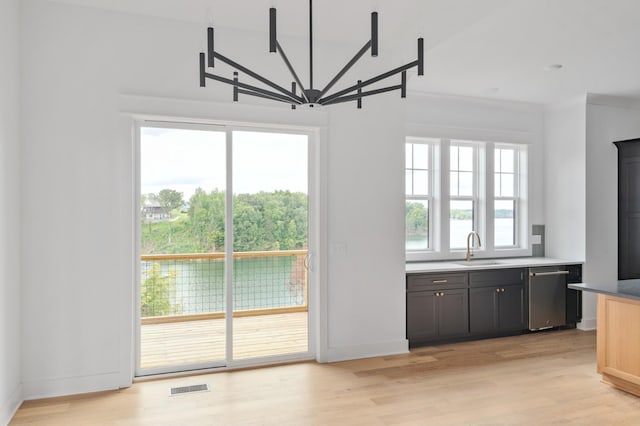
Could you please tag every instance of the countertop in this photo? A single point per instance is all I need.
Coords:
(627, 289)
(480, 264)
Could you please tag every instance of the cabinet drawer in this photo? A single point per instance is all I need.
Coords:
(420, 282)
(496, 277)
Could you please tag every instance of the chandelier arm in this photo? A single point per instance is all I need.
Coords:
(370, 81)
(257, 77)
(360, 95)
(346, 68)
(288, 99)
(261, 95)
(293, 72)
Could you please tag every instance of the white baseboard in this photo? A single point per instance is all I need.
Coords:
(587, 324)
(370, 350)
(48, 388)
(10, 406)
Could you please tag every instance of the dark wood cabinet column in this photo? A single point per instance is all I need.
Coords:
(628, 209)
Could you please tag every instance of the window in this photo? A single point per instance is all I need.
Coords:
(418, 183)
(462, 193)
(453, 187)
(505, 202)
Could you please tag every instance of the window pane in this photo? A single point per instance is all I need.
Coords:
(420, 156)
(466, 183)
(466, 158)
(408, 155)
(496, 185)
(460, 222)
(504, 235)
(496, 160)
(408, 182)
(507, 157)
(417, 225)
(507, 185)
(453, 183)
(420, 182)
(453, 158)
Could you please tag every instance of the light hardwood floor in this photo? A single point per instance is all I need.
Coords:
(535, 379)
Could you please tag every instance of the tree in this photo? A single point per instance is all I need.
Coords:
(157, 291)
(416, 217)
(169, 200)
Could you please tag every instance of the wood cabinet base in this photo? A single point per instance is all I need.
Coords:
(618, 342)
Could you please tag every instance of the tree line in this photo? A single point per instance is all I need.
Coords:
(417, 217)
(263, 221)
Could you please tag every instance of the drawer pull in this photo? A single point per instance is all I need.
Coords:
(439, 281)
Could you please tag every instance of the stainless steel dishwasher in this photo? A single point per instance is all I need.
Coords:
(547, 292)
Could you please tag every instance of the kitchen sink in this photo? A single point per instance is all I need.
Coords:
(479, 262)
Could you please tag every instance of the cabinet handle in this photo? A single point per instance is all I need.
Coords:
(438, 293)
(439, 281)
(497, 290)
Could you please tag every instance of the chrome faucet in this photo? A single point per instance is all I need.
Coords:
(469, 236)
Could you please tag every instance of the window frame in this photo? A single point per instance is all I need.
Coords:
(474, 197)
(515, 198)
(429, 198)
(483, 199)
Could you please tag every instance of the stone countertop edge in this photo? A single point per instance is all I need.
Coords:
(626, 289)
(503, 263)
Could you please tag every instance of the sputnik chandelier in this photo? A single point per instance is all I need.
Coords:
(307, 96)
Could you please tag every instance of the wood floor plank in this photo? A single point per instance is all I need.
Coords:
(544, 378)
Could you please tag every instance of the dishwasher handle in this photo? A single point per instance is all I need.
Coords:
(542, 274)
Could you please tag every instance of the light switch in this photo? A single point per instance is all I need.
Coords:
(536, 239)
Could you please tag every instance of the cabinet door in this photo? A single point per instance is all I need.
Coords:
(483, 309)
(453, 313)
(421, 316)
(511, 308)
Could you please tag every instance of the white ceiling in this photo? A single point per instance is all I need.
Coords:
(481, 48)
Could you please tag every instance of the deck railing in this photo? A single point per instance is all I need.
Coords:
(191, 286)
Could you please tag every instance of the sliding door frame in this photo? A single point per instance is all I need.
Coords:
(314, 215)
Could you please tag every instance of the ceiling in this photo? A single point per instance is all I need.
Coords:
(499, 49)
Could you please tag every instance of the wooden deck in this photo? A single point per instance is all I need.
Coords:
(204, 341)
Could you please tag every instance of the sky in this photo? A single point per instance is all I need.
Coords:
(184, 159)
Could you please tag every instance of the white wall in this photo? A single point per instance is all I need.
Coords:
(10, 315)
(366, 294)
(608, 120)
(565, 180)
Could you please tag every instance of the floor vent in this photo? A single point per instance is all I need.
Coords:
(188, 389)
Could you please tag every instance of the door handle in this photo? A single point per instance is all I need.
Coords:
(542, 274)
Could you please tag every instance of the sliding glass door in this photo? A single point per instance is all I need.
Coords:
(223, 243)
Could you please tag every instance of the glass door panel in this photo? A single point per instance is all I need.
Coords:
(182, 248)
(270, 240)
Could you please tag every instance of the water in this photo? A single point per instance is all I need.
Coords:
(258, 283)
(459, 232)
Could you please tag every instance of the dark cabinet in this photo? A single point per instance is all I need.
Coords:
(574, 297)
(474, 304)
(496, 301)
(437, 307)
(628, 209)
